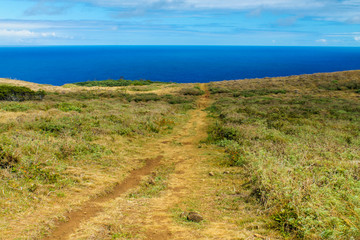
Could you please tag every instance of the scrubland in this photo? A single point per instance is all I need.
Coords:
(72, 145)
(281, 158)
(297, 141)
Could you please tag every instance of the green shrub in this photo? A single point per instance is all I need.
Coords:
(144, 97)
(218, 90)
(343, 85)
(15, 93)
(173, 99)
(191, 91)
(258, 92)
(116, 83)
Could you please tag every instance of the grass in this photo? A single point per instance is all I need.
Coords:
(292, 147)
(297, 141)
(75, 140)
(154, 184)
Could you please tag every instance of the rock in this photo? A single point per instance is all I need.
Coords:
(226, 172)
(194, 217)
(211, 174)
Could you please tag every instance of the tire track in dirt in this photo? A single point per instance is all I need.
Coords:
(91, 208)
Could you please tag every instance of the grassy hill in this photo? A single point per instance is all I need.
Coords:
(297, 140)
(281, 158)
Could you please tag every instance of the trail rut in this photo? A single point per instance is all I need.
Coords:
(92, 207)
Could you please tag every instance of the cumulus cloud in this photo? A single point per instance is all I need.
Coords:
(228, 4)
(321, 40)
(6, 33)
(19, 24)
(328, 10)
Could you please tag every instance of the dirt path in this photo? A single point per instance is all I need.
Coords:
(189, 188)
(92, 207)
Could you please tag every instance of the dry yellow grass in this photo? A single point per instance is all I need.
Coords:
(80, 142)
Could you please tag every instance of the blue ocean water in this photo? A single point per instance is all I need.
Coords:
(60, 65)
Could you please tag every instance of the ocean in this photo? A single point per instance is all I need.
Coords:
(182, 64)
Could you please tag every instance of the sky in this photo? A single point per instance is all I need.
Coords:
(180, 22)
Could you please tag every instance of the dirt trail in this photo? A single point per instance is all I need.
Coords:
(92, 207)
(189, 187)
(88, 210)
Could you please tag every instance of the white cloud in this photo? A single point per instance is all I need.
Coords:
(209, 4)
(357, 38)
(53, 6)
(321, 41)
(6, 33)
(20, 25)
(322, 10)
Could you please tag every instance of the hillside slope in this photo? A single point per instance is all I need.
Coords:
(268, 158)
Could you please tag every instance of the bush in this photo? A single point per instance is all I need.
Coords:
(336, 85)
(15, 93)
(258, 92)
(191, 91)
(115, 83)
(146, 97)
(215, 90)
(172, 99)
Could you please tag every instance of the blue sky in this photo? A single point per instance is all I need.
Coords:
(180, 22)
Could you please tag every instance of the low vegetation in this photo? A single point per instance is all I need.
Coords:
(16, 93)
(117, 83)
(194, 91)
(69, 139)
(292, 154)
(297, 140)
